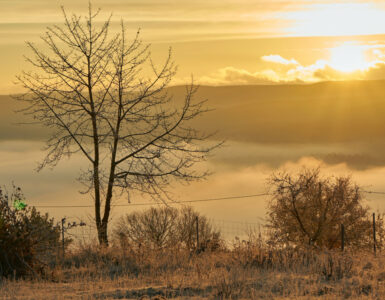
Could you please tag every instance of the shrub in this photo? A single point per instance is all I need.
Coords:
(186, 229)
(307, 209)
(27, 238)
(154, 228)
(165, 227)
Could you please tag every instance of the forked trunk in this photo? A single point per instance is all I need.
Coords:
(102, 234)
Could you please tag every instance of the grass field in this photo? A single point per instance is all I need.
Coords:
(247, 271)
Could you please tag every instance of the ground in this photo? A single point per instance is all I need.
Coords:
(245, 272)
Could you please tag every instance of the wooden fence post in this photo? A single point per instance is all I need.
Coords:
(374, 234)
(342, 237)
(197, 227)
(62, 235)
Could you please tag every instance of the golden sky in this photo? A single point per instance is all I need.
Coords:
(224, 42)
(280, 44)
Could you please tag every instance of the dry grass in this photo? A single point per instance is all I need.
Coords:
(246, 272)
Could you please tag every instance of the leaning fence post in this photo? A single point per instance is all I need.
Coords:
(374, 234)
(342, 237)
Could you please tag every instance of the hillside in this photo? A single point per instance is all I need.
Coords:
(346, 115)
(317, 113)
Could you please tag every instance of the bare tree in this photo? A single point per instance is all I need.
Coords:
(307, 209)
(93, 89)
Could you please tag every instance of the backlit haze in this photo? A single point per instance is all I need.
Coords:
(292, 84)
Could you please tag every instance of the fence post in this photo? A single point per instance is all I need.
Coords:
(374, 234)
(197, 227)
(62, 235)
(342, 237)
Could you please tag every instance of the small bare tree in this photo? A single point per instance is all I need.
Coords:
(91, 88)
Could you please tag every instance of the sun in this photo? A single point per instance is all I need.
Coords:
(348, 58)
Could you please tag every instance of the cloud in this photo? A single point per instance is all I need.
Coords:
(337, 18)
(274, 58)
(282, 70)
(149, 9)
(231, 75)
(58, 187)
(376, 72)
(355, 155)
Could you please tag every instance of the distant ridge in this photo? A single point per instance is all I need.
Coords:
(324, 112)
(312, 84)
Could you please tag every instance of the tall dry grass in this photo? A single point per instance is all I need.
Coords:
(246, 270)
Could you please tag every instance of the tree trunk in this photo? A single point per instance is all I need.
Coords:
(98, 221)
(102, 234)
(103, 240)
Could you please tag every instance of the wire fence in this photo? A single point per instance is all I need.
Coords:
(186, 201)
(229, 229)
(76, 230)
(157, 203)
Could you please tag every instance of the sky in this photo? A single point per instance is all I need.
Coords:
(224, 42)
(297, 52)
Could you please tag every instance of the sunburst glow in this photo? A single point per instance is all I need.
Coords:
(348, 58)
